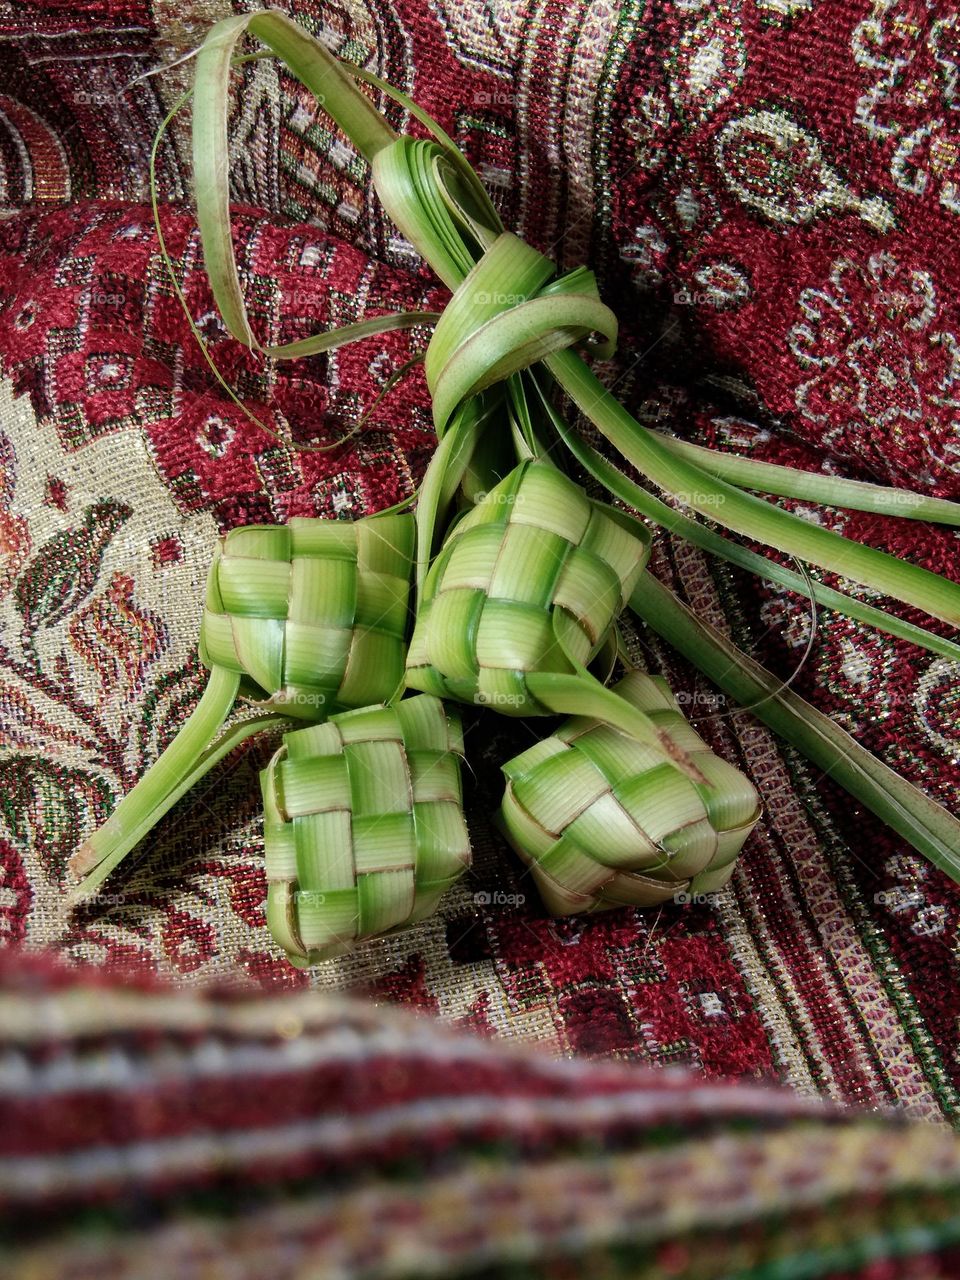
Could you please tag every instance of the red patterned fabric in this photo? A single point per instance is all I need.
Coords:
(146, 1132)
(768, 193)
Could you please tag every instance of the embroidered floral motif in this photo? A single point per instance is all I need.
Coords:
(647, 253)
(880, 360)
(910, 107)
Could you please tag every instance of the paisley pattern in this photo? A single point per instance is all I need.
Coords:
(709, 61)
(784, 283)
(778, 168)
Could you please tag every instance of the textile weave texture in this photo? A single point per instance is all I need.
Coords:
(147, 1134)
(769, 192)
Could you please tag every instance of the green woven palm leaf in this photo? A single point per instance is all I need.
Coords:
(493, 627)
(605, 821)
(313, 614)
(363, 825)
(529, 581)
(303, 618)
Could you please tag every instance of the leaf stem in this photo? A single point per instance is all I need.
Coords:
(701, 535)
(175, 763)
(744, 513)
(812, 486)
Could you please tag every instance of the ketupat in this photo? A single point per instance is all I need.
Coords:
(530, 580)
(363, 825)
(512, 319)
(604, 821)
(314, 613)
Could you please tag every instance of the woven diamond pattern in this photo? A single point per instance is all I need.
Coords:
(314, 613)
(363, 825)
(605, 821)
(532, 577)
